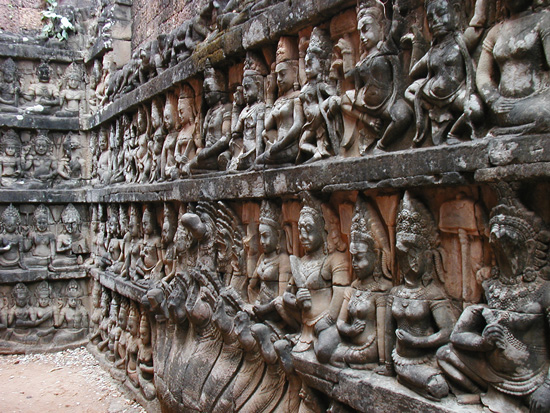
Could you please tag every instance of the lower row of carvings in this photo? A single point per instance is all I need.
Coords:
(44, 316)
(227, 341)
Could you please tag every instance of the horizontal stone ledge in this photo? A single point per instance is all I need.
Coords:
(366, 391)
(28, 121)
(46, 196)
(38, 52)
(15, 347)
(114, 283)
(538, 170)
(39, 274)
(268, 26)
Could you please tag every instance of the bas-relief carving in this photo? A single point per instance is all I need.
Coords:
(51, 315)
(10, 88)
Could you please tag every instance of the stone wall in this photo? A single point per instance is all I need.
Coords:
(286, 206)
(21, 16)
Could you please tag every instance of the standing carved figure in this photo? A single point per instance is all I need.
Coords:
(284, 118)
(502, 347)
(217, 123)
(188, 140)
(167, 156)
(419, 317)
(10, 89)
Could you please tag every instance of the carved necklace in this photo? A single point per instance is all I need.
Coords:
(512, 297)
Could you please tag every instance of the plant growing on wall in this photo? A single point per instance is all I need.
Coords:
(56, 25)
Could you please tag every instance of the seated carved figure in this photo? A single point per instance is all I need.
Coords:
(43, 96)
(12, 244)
(10, 89)
(72, 97)
(150, 262)
(376, 103)
(40, 164)
(146, 370)
(321, 280)
(217, 123)
(361, 319)
(71, 244)
(419, 317)
(42, 241)
(283, 119)
(513, 69)
(445, 87)
(502, 347)
(320, 134)
(10, 160)
(188, 139)
(22, 314)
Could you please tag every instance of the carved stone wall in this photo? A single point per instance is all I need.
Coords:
(286, 206)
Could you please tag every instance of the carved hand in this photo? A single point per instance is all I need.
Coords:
(495, 334)
(303, 295)
(406, 337)
(540, 400)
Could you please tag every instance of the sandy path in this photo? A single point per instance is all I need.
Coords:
(69, 381)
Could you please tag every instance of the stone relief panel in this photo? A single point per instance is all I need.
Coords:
(49, 315)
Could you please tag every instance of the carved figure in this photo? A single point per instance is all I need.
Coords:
(44, 310)
(446, 87)
(189, 139)
(167, 156)
(71, 166)
(500, 347)
(43, 96)
(146, 368)
(150, 262)
(321, 280)
(320, 135)
(419, 317)
(10, 88)
(143, 158)
(42, 240)
(40, 164)
(513, 68)
(71, 244)
(272, 272)
(22, 314)
(10, 160)
(376, 103)
(283, 121)
(217, 123)
(169, 252)
(132, 245)
(12, 245)
(155, 145)
(361, 319)
(71, 99)
(246, 142)
(133, 345)
(121, 335)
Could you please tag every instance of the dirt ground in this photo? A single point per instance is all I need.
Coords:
(69, 381)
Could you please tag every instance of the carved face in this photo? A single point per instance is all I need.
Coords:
(123, 223)
(250, 90)
(10, 224)
(72, 302)
(113, 224)
(268, 238)
(313, 65)
(169, 121)
(71, 226)
(286, 76)
(73, 83)
(155, 115)
(141, 122)
(147, 224)
(144, 333)
(43, 301)
(410, 257)
(511, 252)
(10, 149)
(21, 298)
(441, 19)
(183, 239)
(370, 31)
(44, 74)
(363, 259)
(185, 110)
(168, 231)
(210, 92)
(41, 147)
(134, 226)
(103, 140)
(8, 76)
(311, 237)
(42, 223)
